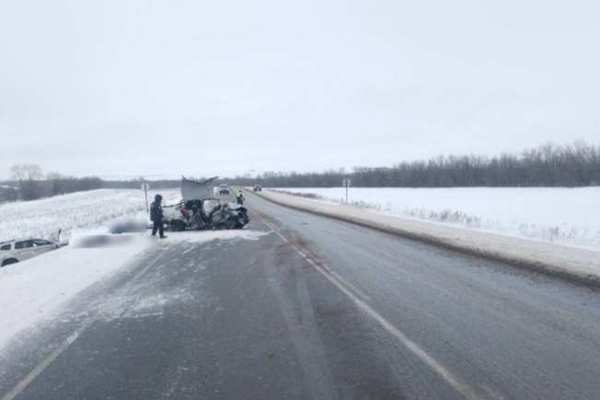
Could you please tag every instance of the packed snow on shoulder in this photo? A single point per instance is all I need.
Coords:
(37, 290)
(33, 290)
(195, 237)
(563, 215)
(43, 218)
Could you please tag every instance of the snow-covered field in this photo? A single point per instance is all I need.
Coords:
(43, 218)
(563, 215)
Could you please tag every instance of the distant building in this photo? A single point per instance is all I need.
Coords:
(8, 193)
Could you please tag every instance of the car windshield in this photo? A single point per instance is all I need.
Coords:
(321, 200)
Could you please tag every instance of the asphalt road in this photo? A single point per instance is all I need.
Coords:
(314, 309)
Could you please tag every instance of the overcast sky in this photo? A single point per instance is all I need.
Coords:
(162, 88)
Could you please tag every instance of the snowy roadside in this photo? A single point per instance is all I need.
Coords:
(43, 218)
(569, 262)
(561, 215)
(33, 290)
(36, 290)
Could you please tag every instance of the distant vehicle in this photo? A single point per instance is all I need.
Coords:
(222, 190)
(257, 188)
(14, 251)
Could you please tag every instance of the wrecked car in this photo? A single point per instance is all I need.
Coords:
(206, 214)
(199, 211)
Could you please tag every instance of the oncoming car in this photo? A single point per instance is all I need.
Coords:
(222, 190)
(14, 251)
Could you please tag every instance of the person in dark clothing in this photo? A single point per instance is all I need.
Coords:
(156, 215)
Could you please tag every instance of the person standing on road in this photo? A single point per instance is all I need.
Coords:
(156, 215)
(240, 197)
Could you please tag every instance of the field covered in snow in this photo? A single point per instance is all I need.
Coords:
(563, 215)
(43, 218)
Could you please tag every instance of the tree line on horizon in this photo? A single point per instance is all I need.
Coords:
(29, 182)
(571, 165)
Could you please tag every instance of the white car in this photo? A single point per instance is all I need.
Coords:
(222, 190)
(13, 251)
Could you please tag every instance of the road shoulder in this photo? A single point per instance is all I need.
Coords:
(570, 263)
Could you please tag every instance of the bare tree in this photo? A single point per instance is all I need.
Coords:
(26, 172)
(29, 177)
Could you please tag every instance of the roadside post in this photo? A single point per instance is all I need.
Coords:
(346, 183)
(145, 188)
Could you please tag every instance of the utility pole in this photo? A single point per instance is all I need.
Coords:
(145, 188)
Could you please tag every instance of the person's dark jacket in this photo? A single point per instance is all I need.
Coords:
(156, 212)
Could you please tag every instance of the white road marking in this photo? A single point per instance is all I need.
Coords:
(25, 382)
(41, 367)
(463, 388)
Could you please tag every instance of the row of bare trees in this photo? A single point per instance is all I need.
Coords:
(32, 183)
(571, 165)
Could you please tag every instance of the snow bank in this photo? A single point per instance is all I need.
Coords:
(207, 236)
(43, 218)
(37, 290)
(570, 262)
(34, 290)
(561, 215)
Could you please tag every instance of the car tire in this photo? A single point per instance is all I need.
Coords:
(177, 226)
(9, 262)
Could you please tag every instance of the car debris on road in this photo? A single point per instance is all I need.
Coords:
(198, 210)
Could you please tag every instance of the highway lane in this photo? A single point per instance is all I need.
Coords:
(315, 309)
(512, 333)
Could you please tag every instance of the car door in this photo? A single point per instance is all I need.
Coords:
(24, 250)
(41, 246)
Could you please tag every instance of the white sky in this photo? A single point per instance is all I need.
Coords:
(120, 88)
